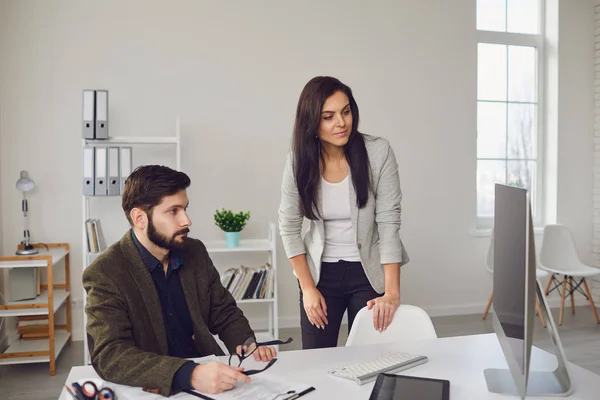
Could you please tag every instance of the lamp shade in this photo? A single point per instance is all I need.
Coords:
(24, 184)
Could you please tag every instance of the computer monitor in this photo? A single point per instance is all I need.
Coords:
(515, 292)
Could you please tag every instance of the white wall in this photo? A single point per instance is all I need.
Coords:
(596, 187)
(234, 74)
(3, 337)
(576, 121)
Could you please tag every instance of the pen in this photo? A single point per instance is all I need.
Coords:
(198, 394)
(302, 393)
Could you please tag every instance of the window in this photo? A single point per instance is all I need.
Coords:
(509, 101)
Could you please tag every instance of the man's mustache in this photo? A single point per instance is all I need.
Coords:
(186, 230)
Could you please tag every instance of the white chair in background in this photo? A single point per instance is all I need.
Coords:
(559, 256)
(489, 265)
(409, 323)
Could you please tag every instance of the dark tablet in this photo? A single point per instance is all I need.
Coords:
(402, 387)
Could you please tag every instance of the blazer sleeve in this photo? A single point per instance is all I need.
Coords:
(112, 349)
(388, 210)
(290, 213)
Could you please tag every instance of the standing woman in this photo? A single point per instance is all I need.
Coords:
(346, 184)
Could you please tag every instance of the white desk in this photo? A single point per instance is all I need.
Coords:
(460, 359)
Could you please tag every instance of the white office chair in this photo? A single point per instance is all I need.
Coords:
(559, 257)
(489, 265)
(409, 323)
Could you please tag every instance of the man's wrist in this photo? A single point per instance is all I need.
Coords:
(182, 380)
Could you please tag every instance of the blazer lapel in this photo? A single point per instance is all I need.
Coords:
(144, 281)
(319, 221)
(202, 337)
(188, 283)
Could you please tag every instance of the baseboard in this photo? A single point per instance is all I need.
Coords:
(435, 311)
(447, 311)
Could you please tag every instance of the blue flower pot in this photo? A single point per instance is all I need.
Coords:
(232, 239)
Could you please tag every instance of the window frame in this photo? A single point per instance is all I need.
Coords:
(530, 40)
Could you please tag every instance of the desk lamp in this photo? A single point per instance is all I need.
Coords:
(25, 184)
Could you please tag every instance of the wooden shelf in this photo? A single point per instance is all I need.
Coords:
(57, 253)
(37, 306)
(246, 245)
(38, 350)
(29, 346)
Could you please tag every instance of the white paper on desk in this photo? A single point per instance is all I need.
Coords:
(261, 387)
(131, 393)
(202, 360)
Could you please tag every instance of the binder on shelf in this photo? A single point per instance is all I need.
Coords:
(101, 114)
(114, 183)
(100, 185)
(89, 112)
(88, 171)
(125, 165)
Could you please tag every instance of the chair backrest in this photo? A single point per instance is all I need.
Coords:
(558, 250)
(409, 323)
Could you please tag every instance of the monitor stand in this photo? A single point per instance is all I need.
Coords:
(555, 383)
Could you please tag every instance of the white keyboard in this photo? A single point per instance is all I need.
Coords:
(368, 370)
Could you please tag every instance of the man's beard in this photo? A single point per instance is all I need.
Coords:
(163, 241)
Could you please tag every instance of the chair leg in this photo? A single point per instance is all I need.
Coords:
(489, 304)
(539, 312)
(562, 301)
(589, 295)
(549, 284)
(572, 295)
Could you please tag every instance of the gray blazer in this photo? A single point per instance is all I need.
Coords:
(377, 225)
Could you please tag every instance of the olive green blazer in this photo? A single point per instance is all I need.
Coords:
(125, 328)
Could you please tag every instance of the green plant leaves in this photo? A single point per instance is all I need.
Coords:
(230, 222)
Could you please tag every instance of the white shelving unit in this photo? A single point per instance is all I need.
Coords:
(119, 141)
(52, 296)
(269, 247)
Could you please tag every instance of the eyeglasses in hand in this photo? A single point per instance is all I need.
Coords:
(250, 342)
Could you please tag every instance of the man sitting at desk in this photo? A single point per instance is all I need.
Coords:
(154, 298)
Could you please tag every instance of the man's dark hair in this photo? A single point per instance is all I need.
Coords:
(147, 185)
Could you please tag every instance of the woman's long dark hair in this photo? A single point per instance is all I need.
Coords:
(306, 148)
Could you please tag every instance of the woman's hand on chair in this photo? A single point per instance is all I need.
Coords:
(384, 308)
(315, 307)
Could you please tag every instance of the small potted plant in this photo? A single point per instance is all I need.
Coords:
(231, 224)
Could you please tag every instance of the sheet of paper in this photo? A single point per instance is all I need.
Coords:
(261, 387)
(202, 360)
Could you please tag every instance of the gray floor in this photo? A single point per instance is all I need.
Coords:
(579, 334)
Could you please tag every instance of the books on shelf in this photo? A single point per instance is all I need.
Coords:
(32, 327)
(95, 237)
(246, 283)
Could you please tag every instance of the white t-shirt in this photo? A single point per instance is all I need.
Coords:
(340, 241)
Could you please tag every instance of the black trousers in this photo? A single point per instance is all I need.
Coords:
(344, 286)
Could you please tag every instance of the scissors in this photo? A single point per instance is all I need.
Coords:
(89, 391)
